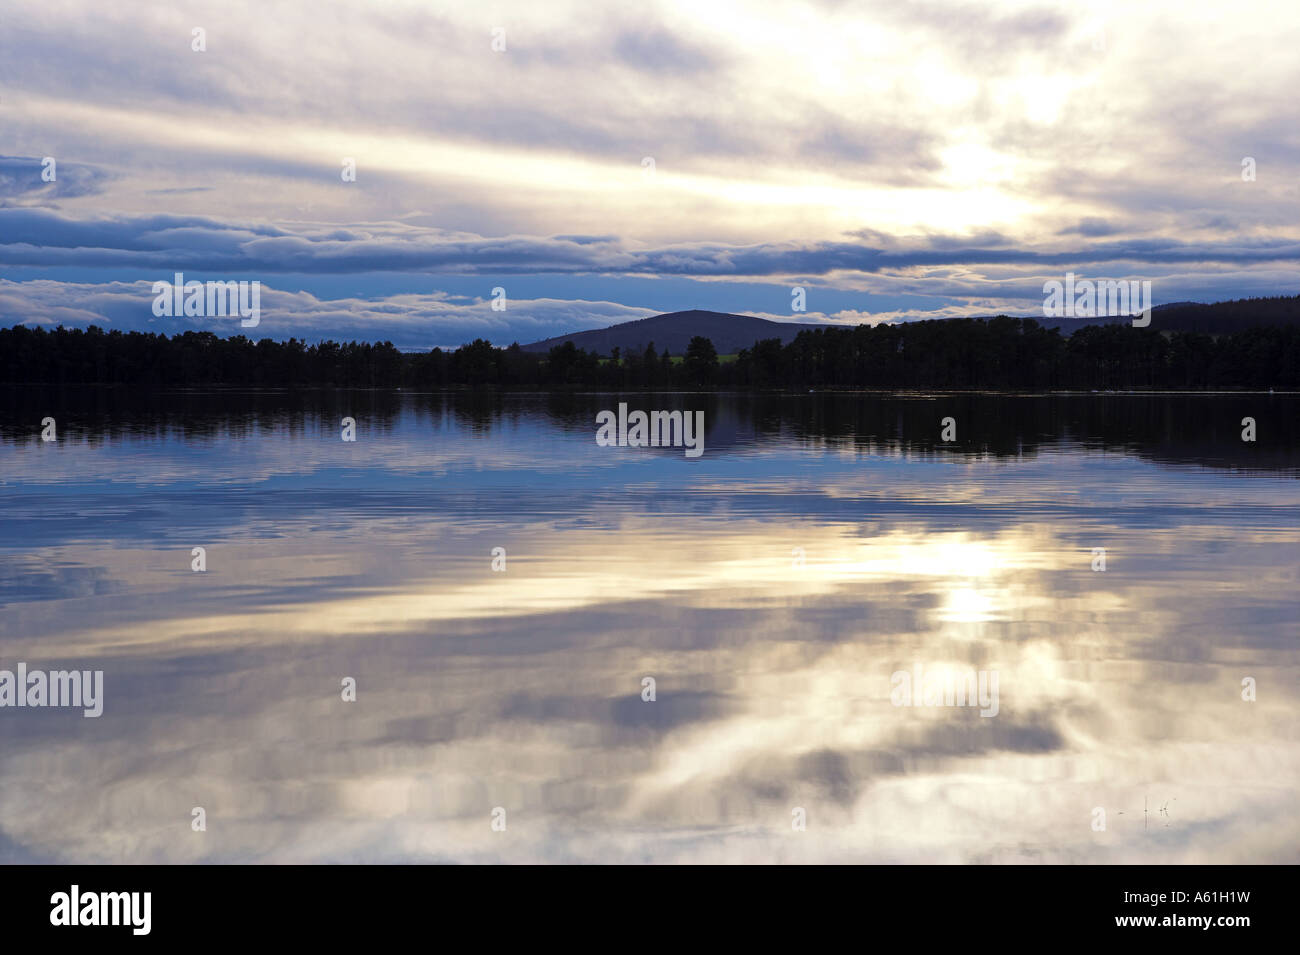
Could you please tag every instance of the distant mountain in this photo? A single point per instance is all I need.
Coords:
(674, 331)
(730, 333)
(1218, 318)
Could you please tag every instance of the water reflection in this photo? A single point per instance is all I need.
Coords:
(770, 588)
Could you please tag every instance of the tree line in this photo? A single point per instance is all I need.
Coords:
(997, 353)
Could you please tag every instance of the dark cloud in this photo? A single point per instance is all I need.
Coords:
(982, 239)
(41, 237)
(21, 181)
(655, 50)
(1091, 227)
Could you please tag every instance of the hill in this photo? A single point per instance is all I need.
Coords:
(730, 333)
(674, 331)
(1218, 318)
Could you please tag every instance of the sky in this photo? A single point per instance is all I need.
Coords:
(603, 162)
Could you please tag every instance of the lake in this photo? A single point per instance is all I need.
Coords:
(472, 634)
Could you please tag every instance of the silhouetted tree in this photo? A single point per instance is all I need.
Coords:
(701, 361)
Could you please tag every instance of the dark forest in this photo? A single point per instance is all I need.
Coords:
(998, 353)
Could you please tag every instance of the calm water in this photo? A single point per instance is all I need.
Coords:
(771, 588)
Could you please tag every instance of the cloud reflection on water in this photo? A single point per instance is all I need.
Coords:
(522, 689)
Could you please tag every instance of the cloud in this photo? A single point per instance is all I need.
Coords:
(23, 182)
(41, 237)
(410, 321)
(656, 50)
(1090, 226)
